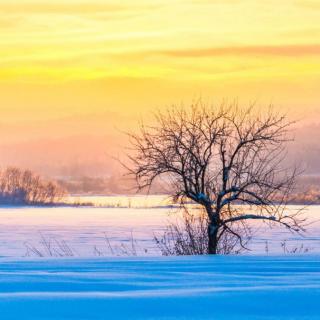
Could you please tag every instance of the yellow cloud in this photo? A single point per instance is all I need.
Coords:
(183, 47)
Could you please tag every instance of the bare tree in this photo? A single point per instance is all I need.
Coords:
(228, 160)
(19, 186)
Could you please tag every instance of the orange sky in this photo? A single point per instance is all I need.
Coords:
(72, 69)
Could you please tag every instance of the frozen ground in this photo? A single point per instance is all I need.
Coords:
(239, 288)
(84, 228)
(86, 287)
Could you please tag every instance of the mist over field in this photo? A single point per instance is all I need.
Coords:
(92, 156)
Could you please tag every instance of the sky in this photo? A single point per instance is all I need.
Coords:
(75, 74)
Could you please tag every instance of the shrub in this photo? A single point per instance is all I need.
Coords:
(188, 235)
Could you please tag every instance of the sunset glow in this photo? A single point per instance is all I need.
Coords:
(73, 68)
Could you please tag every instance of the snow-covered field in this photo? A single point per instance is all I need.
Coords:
(120, 219)
(84, 286)
(233, 287)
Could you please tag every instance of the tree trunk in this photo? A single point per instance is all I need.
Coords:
(213, 238)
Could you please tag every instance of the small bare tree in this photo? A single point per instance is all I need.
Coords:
(228, 160)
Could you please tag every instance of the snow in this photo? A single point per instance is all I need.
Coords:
(229, 287)
(83, 287)
(121, 218)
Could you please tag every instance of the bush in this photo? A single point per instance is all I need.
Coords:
(188, 235)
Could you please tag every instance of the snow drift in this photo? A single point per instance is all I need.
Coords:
(220, 287)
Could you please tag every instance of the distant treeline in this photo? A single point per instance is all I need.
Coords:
(116, 184)
(306, 191)
(24, 187)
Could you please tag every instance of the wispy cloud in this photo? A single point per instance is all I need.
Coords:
(67, 8)
(284, 50)
(310, 4)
